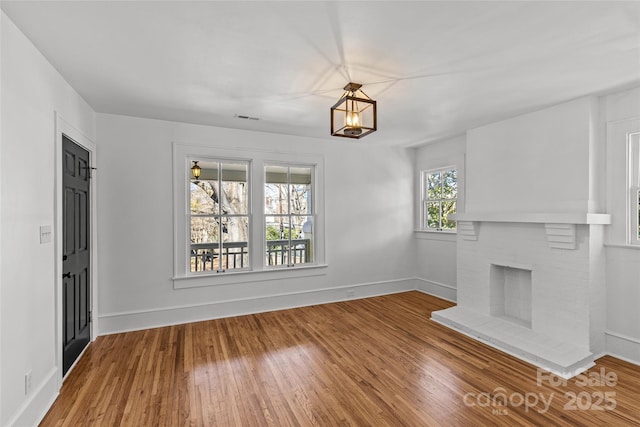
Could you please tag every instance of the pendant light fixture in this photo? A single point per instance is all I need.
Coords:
(196, 170)
(355, 114)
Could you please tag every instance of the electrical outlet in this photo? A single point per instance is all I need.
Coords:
(351, 293)
(27, 383)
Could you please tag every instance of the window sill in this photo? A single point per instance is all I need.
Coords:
(621, 246)
(247, 276)
(445, 236)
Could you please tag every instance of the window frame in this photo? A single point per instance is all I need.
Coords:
(183, 156)
(290, 215)
(248, 214)
(633, 201)
(424, 200)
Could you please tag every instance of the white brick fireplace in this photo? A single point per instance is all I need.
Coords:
(532, 288)
(530, 263)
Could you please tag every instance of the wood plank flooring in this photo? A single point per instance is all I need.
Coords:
(371, 362)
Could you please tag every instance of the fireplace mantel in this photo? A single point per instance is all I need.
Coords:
(540, 218)
(560, 227)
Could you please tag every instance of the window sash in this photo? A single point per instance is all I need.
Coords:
(436, 202)
(287, 257)
(634, 188)
(634, 216)
(218, 251)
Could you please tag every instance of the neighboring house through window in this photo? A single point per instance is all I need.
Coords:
(439, 192)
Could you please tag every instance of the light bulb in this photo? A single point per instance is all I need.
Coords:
(353, 119)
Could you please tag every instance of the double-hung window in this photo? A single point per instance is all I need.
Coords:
(439, 192)
(634, 188)
(288, 214)
(219, 221)
(245, 215)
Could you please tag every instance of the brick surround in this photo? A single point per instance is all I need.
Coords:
(565, 326)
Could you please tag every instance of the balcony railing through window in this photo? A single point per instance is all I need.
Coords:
(234, 255)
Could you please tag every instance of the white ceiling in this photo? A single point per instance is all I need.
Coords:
(435, 68)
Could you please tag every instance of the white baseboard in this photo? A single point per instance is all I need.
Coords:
(35, 407)
(137, 320)
(623, 347)
(440, 290)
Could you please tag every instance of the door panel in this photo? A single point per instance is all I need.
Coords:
(76, 298)
(69, 296)
(68, 241)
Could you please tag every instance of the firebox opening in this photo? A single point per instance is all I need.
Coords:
(511, 295)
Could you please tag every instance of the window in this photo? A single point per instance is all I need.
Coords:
(439, 190)
(634, 188)
(250, 215)
(288, 215)
(219, 216)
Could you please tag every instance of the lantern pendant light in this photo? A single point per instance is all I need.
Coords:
(196, 170)
(355, 114)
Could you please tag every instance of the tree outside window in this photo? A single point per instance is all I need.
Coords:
(439, 198)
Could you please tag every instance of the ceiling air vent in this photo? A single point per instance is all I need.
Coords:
(240, 116)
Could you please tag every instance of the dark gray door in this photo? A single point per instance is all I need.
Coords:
(76, 298)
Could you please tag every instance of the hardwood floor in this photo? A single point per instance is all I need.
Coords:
(371, 362)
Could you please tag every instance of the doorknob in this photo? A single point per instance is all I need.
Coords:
(66, 275)
(64, 257)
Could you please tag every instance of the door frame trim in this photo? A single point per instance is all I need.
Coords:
(62, 127)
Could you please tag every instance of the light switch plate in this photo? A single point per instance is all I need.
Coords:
(45, 233)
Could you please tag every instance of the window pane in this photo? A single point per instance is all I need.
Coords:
(204, 257)
(277, 233)
(433, 215)
(205, 230)
(448, 208)
(203, 197)
(434, 186)
(204, 252)
(276, 190)
(449, 184)
(235, 242)
(300, 190)
(235, 199)
(301, 239)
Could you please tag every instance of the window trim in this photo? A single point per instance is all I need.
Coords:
(633, 174)
(256, 158)
(424, 200)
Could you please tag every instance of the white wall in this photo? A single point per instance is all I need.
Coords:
(1, 227)
(31, 90)
(369, 222)
(622, 261)
(436, 252)
(543, 160)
